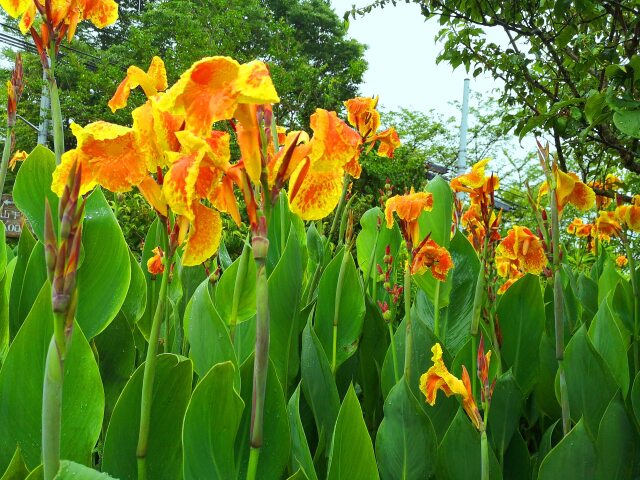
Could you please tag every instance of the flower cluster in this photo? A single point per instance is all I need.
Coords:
(520, 252)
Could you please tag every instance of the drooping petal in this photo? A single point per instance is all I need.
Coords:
(179, 185)
(28, 17)
(223, 198)
(248, 134)
(408, 207)
(334, 143)
(432, 256)
(472, 180)
(154, 264)
(205, 232)
(254, 84)
(317, 194)
(607, 225)
(296, 147)
(523, 247)
(152, 192)
(101, 13)
(362, 114)
(152, 81)
(438, 377)
(389, 141)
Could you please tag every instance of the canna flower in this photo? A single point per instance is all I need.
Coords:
(569, 189)
(580, 229)
(475, 183)
(15, 86)
(154, 264)
(408, 207)
(520, 250)
(622, 261)
(431, 255)
(19, 156)
(438, 377)
(611, 182)
(152, 81)
(607, 225)
(629, 215)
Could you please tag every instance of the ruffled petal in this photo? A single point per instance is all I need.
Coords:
(254, 84)
(317, 194)
(205, 232)
(61, 174)
(16, 7)
(389, 141)
(101, 13)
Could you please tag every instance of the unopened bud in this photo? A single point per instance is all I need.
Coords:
(386, 316)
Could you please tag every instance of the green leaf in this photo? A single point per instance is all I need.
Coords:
(300, 454)
(17, 470)
(136, 299)
(406, 444)
(211, 424)
(375, 233)
(25, 246)
(151, 241)
(351, 454)
(4, 318)
(242, 272)
(318, 385)
(171, 393)
(621, 305)
(544, 390)
(635, 397)
(608, 280)
(506, 407)
(588, 296)
(209, 341)
(117, 360)
(33, 186)
(350, 310)
(573, 457)
(589, 382)
(36, 474)
(463, 439)
(21, 380)
(522, 324)
(616, 435)
(74, 471)
(34, 278)
(285, 288)
(628, 122)
(609, 343)
(103, 280)
(277, 438)
(517, 463)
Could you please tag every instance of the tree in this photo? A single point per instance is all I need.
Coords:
(570, 70)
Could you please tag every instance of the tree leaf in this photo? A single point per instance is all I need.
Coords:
(628, 122)
(211, 424)
(351, 454)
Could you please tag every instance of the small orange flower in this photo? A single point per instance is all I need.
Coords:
(622, 261)
(607, 225)
(408, 208)
(569, 189)
(154, 264)
(522, 249)
(580, 229)
(19, 156)
(431, 255)
(438, 377)
(611, 182)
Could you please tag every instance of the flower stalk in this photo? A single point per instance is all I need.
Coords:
(14, 91)
(408, 339)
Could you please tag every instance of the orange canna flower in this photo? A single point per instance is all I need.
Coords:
(19, 156)
(152, 81)
(212, 89)
(389, 141)
(438, 377)
(622, 261)
(522, 249)
(611, 182)
(580, 229)
(629, 215)
(607, 225)
(154, 264)
(431, 255)
(408, 208)
(569, 189)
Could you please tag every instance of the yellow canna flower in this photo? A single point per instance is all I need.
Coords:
(569, 189)
(622, 261)
(152, 81)
(580, 229)
(607, 225)
(520, 252)
(408, 208)
(19, 156)
(431, 255)
(629, 215)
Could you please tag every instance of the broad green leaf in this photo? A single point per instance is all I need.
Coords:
(375, 233)
(300, 453)
(17, 470)
(211, 424)
(351, 454)
(75, 471)
(285, 288)
(171, 393)
(445, 409)
(588, 297)
(459, 451)
(136, 299)
(406, 444)
(34, 278)
(615, 436)
(3, 252)
(345, 299)
(437, 224)
(517, 462)
(318, 385)
(36, 474)
(33, 186)
(522, 324)
(241, 273)
(103, 280)
(25, 247)
(4, 318)
(116, 359)
(544, 390)
(621, 304)
(281, 224)
(276, 445)
(573, 457)
(608, 280)
(590, 384)
(546, 443)
(21, 380)
(609, 343)
(209, 341)
(628, 122)
(504, 414)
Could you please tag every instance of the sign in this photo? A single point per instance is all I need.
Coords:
(11, 217)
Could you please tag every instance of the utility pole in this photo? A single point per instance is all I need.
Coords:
(43, 127)
(462, 150)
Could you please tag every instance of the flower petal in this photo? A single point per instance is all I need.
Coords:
(61, 173)
(205, 232)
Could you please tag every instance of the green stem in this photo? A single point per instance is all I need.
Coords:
(254, 455)
(261, 359)
(149, 375)
(6, 153)
(238, 289)
(56, 111)
(408, 340)
(396, 375)
(484, 456)
(52, 410)
(558, 299)
(336, 309)
(436, 310)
